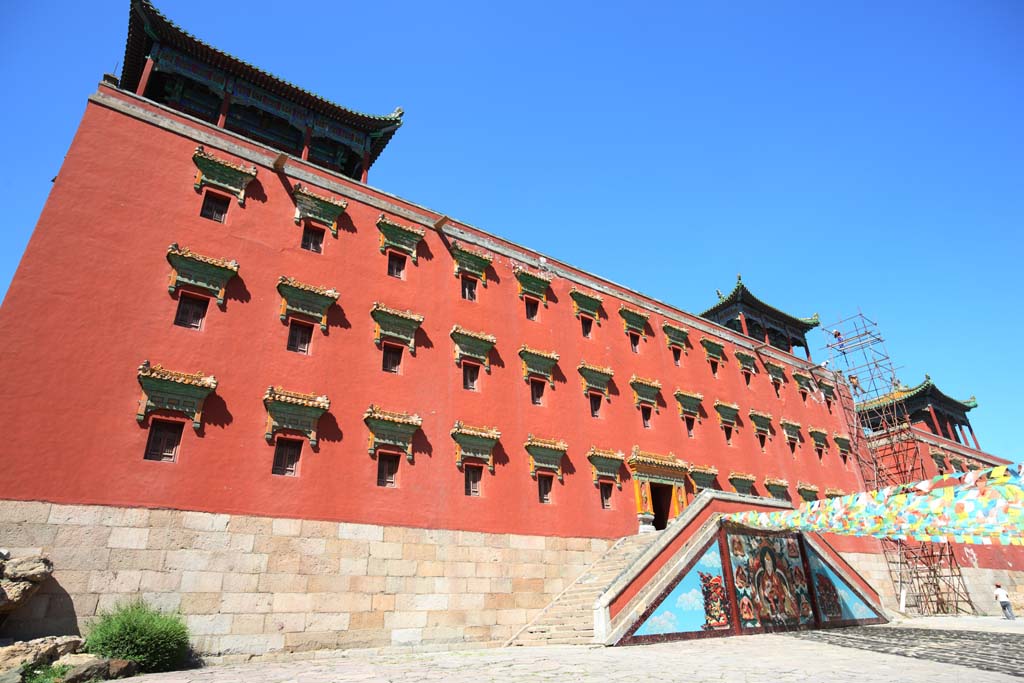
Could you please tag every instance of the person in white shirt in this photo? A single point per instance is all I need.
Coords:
(1004, 601)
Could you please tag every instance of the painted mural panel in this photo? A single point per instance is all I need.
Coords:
(837, 601)
(770, 585)
(699, 601)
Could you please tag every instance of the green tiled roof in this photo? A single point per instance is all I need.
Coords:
(740, 294)
(904, 393)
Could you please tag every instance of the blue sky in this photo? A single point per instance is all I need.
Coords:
(841, 157)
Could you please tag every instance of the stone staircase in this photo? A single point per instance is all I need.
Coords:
(569, 619)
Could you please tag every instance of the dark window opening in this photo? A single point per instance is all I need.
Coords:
(473, 476)
(544, 488)
(286, 457)
(777, 385)
(714, 368)
(606, 495)
(587, 326)
(391, 358)
(803, 396)
(762, 439)
(396, 265)
(191, 311)
(215, 207)
(728, 434)
(163, 441)
(828, 404)
(661, 503)
(690, 422)
(337, 156)
(313, 239)
(184, 94)
(595, 405)
(470, 375)
(264, 127)
(820, 452)
(677, 354)
(468, 288)
(387, 470)
(532, 308)
(792, 447)
(746, 378)
(634, 342)
(300, 335)
(537, 392)
(645, 415)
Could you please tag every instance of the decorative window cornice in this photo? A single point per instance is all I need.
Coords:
(689, 403)
(957, 464)
(776, 372)
(762, 421)
(645, 391)
(742, 482)
(401, 238)
(728, 413)
(820, 436)
(395, 324)
(834, 493)
(179, 392)
(843, 442)
(470, 261)
(748, 362)
(476, 443)
(605, 463)
(541, 363)
(828, 389)
(703, 475)
(742, 476)
(791, 429)
(804, 382)
(473, 345)
(222, 174)
(293, 411)
(308, 300)
(939, 458)
(532, 284)
(675, 335)
(204, 272)
(317, 207)
(633, 320)
(713, 350)
(587, 304)
(657, 467)
(545, 454)
(775, 484)
(391, 429)
(807, 491)
(595, 378)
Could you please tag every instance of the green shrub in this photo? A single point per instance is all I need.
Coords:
(136, 631)
(43, 673)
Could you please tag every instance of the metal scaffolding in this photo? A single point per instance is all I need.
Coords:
(926, 576)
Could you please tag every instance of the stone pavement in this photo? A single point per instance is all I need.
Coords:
(775, 658)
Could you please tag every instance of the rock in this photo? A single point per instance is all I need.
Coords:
(99, 669)
(39, 651)
(75, 660)
(35, 569)
(14, 593)
(5, 554)
(12, 676)
(67, 645)
(122, 668)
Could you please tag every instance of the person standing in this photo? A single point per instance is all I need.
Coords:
(1004, 601)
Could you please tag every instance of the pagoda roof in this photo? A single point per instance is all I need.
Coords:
(741, 295)
(147, 25)
(926, 389)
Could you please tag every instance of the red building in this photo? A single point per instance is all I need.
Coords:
(311, 348)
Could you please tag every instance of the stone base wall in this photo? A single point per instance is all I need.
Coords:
(980, 583)
(257, 585)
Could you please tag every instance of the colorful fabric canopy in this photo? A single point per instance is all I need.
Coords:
(982, 507)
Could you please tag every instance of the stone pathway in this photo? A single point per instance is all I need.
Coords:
(776, 658)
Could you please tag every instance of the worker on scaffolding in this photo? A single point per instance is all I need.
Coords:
(839, 341)
(855, 386)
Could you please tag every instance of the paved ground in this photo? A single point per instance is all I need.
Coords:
(864, 654)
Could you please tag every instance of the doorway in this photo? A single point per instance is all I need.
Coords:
(661, 503)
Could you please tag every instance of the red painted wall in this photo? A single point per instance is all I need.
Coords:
(89, 302)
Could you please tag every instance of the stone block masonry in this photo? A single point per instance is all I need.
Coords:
(256, 585)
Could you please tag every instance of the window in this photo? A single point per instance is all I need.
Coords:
(396, 265)
(164, 439)
(645, 415)
(313, 239)
(286, 457)
(606, 495)
(537, 391)
(391, 358)
(595, 405)
(690, 421)
(634, 342)
(532, 308)
(215, 207)
(746, 378)
(387, 470)
(470, 375)
(191, 311)
(299, 337)
(544, 488)
(728, 434)
(677, 354)
(468, 288)
(473, 476)
(587, 325)
(762, 439)
(714, 367)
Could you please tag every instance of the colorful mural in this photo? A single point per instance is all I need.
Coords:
(836, 600)
(770, 584)
(699, 602)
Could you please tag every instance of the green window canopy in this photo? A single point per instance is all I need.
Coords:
(657, 467)
(645, 391)
(808, 492)
(776, 372)
(633, 321)
(475, 443)
(203, 272)
(178, 392)
(587, 304)
(545, 454)
(689, 403)
(940, 459)
(804, 382)
(304, 299)
(470, 261)
(595, 378)
(791, 429)
(728, 413)
(748, 362)
(843, 442)
(391, 430)
(532, 284)
(828, 389)
(605, 463)
(291, 410)
(222, 174)
(540, 363)
(819, 436)
(778, 488)
(395, 324)
(473, 345)
(703, 476)
(762, 422)
(712, 349)
(397, 237)
(675, 336)
(317, 207)
(742, 482)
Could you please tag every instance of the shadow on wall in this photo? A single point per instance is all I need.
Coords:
(50, 612)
